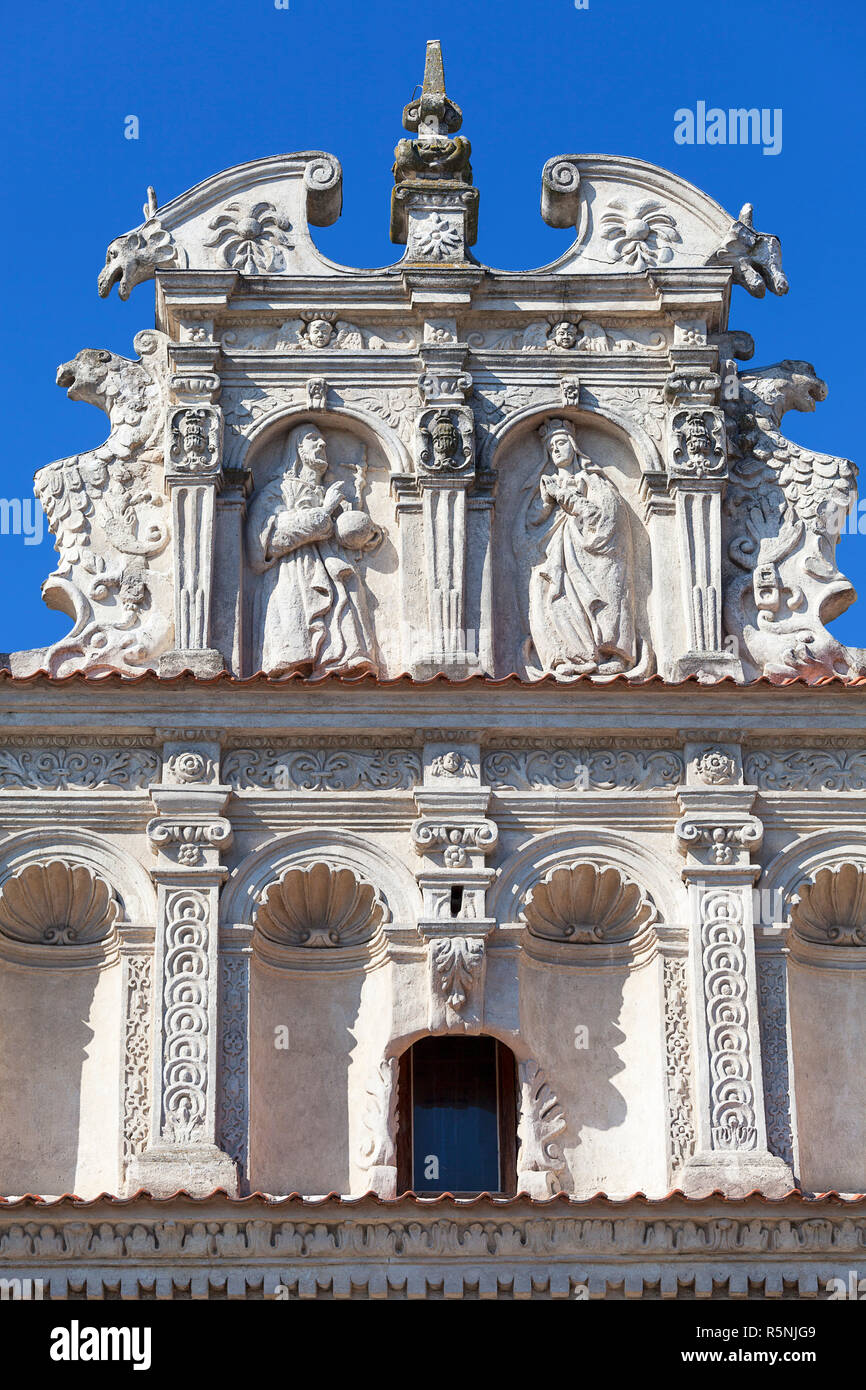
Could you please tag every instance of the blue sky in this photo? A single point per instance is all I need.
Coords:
(220, 81)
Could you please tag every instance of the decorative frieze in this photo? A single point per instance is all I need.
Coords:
(535, 765)
(59, 764)
(809, 769)
(775, 1046)
(346, 767)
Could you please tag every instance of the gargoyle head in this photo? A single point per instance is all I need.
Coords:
(788, 385)
(135, 256)
(85, 376)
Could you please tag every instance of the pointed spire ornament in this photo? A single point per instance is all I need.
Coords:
(436, 160)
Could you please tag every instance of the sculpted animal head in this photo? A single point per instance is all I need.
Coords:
(787, 385)
(91, 375)
(135, 256)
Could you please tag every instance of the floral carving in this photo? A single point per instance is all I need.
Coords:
(678, 1062)
(26, 767)
(540, 1159)
(715, 766)
(251, 242)
(773, 1017)
(807, 769)
(586, 903)
(378, 1146)
(233, 1110)
(57, 904)
(319, 906)
(640, 236)
(532, 768)
(322, 769)
(832, 908)
(136, 1055)
(457, 963)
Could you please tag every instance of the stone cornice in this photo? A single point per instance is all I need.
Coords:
(366, 1247)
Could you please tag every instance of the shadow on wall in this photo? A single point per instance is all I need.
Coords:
(59, 1079)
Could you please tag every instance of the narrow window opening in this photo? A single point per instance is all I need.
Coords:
(457, 1121)
(456, 899)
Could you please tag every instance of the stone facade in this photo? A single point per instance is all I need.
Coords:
(448, 657)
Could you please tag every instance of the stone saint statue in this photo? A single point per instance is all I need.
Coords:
(310, 611)
(581, 600)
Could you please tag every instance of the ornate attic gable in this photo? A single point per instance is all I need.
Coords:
(438, 467)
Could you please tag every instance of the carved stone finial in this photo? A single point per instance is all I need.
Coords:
(433, 175)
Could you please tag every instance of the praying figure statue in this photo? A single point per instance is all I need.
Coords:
(581, 598)
(310, 613)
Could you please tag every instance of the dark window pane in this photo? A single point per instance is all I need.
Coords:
(455, 1127)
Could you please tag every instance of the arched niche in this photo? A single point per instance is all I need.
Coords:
(66, 899)
(591, 993)
(818, 888)
(363, 453)
(319, 904)
(624, 454)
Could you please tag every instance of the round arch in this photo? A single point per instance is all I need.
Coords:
(302, 847)
(612, 421)
(371, 427)
(127, 876)
(554, 849)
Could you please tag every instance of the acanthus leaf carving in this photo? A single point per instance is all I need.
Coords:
(457, 967)
(379, 1119)
(534, 766)
(540, 1159)
(337, 769)
(681, 1123)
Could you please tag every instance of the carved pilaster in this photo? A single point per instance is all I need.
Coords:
(540, 1159)
(697, 467)
(187, 837)
(445, 471)
(717, 834)
(452, 837)
(193, 478)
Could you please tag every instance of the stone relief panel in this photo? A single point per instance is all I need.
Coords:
(823, 769)
(138, 985)
(783, 513)
(564, 335)
(331, 767)
(527, 765)
(60, 765)
(106, 510)
(569, 546)
(319, 562)
(316, 331)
